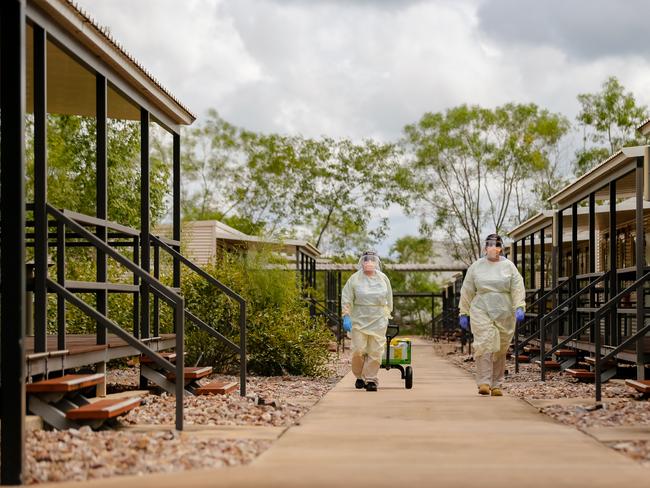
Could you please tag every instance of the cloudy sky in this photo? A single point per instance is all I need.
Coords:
(365, 68)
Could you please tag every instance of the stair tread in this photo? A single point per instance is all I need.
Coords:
(169, 356)
(566, 352)
(640, 385)
(104, 409)
(217, 387)
(192, 373)
(580, 373)
(549, 363)
(66, 383)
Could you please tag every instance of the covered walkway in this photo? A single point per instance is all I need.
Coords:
(440, 433)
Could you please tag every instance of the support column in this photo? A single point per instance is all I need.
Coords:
(611, 335)
(176, 210)
(12, 243)
(592, 258)
(640, 267)
(40, 191)
(101, 159)
(145, 243)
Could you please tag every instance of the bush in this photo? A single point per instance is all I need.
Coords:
(282, 338)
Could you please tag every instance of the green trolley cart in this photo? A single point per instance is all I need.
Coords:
(398, 355)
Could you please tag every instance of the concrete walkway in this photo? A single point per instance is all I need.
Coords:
(439, 434)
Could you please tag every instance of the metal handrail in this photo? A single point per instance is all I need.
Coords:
(573, 298)
(175, 300)
(597, 316)
(241, 349)
(520, 344)
(330, 315)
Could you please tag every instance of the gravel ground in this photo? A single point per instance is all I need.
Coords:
(85, 454)
(622, 406)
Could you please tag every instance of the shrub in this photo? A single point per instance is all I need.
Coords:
(282, 337)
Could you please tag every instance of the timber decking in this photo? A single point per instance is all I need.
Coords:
(80, 344)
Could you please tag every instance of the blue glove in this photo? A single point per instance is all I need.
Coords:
(347, 323)
(463, 320)
(520, 315)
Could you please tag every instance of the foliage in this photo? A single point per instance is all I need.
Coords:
(282, 337)
(413, 313)
(609, 119)
(322, 189)
(71, 169)
(470, 168)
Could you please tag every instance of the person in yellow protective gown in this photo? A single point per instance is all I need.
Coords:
(493, 297)
(367, 302)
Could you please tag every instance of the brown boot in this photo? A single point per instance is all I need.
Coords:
(496, 392)
(484, 389)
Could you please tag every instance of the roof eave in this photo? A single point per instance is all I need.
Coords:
(602, 173)
(78, 24)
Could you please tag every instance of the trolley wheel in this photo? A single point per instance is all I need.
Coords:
(408, 381)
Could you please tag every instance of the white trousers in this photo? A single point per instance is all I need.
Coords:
(367, 351)
(490, 368)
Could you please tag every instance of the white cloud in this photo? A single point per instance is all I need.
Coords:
(367, 68)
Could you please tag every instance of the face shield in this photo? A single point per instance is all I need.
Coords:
(369, 261)
(494, 243)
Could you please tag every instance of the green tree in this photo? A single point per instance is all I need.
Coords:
(71, 169)
(471, 169)
(413, 313)
(608, 119)
(323, 189)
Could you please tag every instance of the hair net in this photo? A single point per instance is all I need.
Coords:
(369, 256)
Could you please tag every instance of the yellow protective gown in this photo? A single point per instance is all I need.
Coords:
(491, 293)
(369, 302)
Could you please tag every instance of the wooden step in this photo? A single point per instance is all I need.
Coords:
(565, 353)
(607, 364)
(522, 358)
(104, 409)
(169, 356)
(532, 349)
(216, 388)
(549, 364)
(583, 374)
(192, 373)
(642, 386)
(66, 383)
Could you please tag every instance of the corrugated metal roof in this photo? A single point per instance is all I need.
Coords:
(105, 33)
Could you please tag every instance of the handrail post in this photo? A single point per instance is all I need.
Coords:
(597, 366)
(242, 348)
(542, 341)
(179, 311)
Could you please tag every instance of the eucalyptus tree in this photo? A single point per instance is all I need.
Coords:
(473, 170)
(608, 119)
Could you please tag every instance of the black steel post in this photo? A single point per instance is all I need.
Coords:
(640, 267)
(523, 260)
(145, 241)
(40, 189)
(514, 253)
(611, 334)
(573, 325)
(176, 185)
(12, 242)
(145, 246)
(532, 261)
(558, 270)
(60, 278)
(101, 94)
(592, 258)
